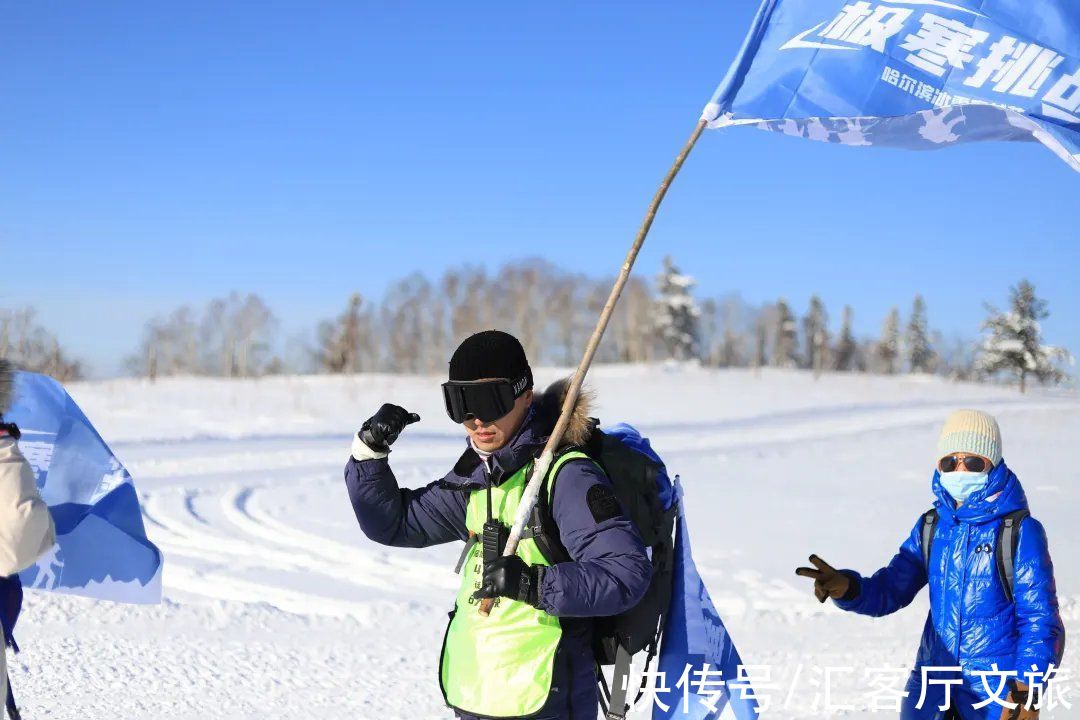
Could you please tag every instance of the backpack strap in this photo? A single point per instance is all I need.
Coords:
(541, 526)
(929, 525)
(546, 536)
(620, 682)
(1007, 541)
(12, 708)
(617, 707)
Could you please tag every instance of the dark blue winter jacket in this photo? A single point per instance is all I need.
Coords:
(610, 571)
(972, 623)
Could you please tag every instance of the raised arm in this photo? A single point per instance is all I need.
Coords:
(893, 586)
(391, 515)
(387, 513)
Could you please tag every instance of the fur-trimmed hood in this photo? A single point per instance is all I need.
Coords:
(7, 376)
(529, 441)
(548, 405)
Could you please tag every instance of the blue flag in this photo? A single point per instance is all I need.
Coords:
(101, 547)
(917, 74)
(699, 665)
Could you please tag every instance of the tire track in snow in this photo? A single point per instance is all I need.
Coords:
(415, 573)
(326, 555)
(220, 544)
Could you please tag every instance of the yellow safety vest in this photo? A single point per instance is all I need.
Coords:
(500, 665)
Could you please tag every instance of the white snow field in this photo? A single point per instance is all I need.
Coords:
(276, 605)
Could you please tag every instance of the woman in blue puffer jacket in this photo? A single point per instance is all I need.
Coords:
(1001, 639)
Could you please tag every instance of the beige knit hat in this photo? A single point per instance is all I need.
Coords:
(971, 431)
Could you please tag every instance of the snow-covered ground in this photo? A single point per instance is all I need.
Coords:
(276, 606)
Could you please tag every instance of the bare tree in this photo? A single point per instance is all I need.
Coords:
(31, 347)
(169, 346)
(958, 358)
(235, 335)
(761, 343)
(408, 327)
(523, 289)
(631, 323)
(344, 344)
(569, 300)
(710, 331)
(728, 332)
(816, 332)
(464, 292)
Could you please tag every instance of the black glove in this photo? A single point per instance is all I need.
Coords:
(509, 576)
(381, 430)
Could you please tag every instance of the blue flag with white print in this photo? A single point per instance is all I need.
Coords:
(101, 546)
(700, 671)
(916, 74)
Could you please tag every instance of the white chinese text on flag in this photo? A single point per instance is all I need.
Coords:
(917, 74)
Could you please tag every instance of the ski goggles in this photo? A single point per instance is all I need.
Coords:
(486, 400)
(971, 463)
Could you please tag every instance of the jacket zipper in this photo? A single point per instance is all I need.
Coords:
(963, 582)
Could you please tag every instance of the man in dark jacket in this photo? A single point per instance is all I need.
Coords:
(533, 655)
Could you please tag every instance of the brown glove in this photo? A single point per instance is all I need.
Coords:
(828, 581)
(1019, 695)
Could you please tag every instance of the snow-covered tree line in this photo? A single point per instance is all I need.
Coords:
(738, 335)
(415, 324)
(775, 335)
(411, 328)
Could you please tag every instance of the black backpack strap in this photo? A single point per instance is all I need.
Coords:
(12, 709)
(541, 526)
(620, 685)
(929, 525)
(617, 707)
(1007, 541)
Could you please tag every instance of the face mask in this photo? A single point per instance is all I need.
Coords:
(961, 485)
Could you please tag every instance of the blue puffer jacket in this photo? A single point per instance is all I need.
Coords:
(610, 571)
(972, 624)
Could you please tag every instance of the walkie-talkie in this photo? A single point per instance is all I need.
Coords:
(495, 535)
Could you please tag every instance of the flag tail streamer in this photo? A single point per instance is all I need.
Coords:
(700, 671)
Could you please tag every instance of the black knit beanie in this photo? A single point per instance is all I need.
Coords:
(490, 354)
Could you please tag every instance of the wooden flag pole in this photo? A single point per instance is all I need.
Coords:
(543, 463)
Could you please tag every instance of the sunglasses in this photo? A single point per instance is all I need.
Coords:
(486, 400)
(950, 463)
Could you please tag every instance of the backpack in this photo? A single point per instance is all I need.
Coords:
(1008, 537)
(642, 485)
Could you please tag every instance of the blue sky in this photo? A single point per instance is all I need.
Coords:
(153, 154)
